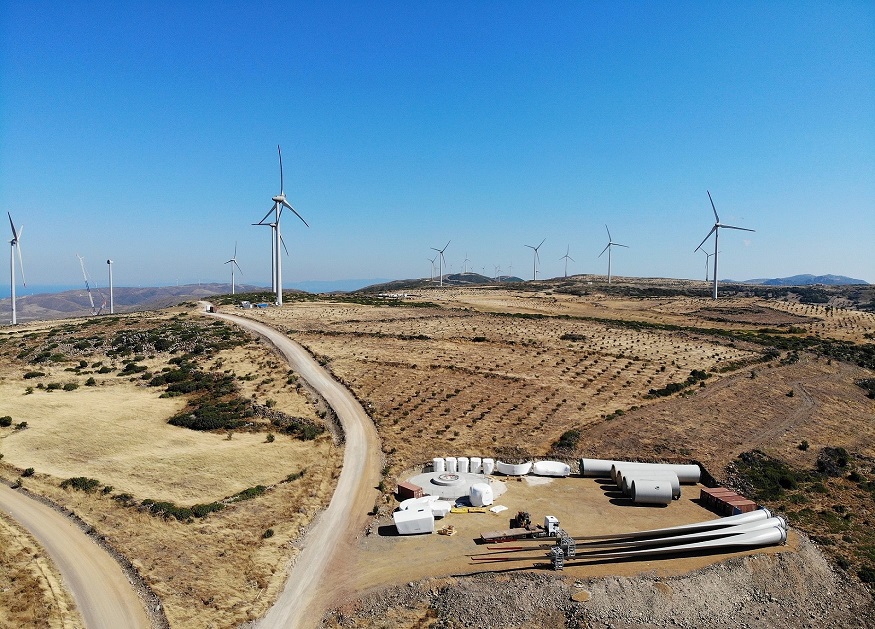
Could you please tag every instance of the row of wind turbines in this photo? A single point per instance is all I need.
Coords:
(536, 256)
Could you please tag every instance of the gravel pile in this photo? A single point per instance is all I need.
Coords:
(760, 591)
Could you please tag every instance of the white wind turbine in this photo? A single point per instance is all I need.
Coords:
(535, 259)
(233, 263)
(607, 248)
(465, 263)
(441, 261)
(111, 302)
(432, 260)
(14, 244)
(279, 202)
(716, 231)
(567, 257)
(707, 260)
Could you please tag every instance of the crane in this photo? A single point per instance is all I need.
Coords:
(94, 309)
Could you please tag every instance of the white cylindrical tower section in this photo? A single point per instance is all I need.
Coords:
(651, 492)
(438, 465)
(476, 464)
(462, 464)
(451, 464)
(488, 466)
(595, 467)
(669, 477)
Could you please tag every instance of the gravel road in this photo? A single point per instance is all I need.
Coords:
(308, 593)
(103, 594)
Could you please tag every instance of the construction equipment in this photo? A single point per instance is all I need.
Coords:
(521, 528)
(94, 309)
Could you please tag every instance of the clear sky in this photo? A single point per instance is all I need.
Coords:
(147, 133)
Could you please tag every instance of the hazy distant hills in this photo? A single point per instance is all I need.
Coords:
(451, 279)
(803, 280)
(75, 303)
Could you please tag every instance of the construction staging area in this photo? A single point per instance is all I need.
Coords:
(584, 506)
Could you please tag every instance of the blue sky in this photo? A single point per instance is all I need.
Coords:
(147, 132)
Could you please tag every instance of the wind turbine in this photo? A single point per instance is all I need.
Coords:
(607, 248)
(567, 257)
(465, 263)
(716, 231)
(441, 261)
(432, 260)
(279, 202)
(535, 259)
(111, 303)
(233, 263)
(14, 244)
(707, 259)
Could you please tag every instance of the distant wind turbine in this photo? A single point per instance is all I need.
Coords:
(441, 261)
(465, 263)
(535, 259)
(607, 248)
(716, 231)
(233, 263)
(111, 302)
(279, 202)
(707, 259)
(432, 260)
(15, 244)
(567, 257)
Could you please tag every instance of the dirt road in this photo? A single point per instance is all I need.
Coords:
(308, 592)
(102, 593)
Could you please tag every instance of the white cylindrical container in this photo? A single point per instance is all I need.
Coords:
(651, 492)
(451, 464)
(476, 464)
(438, 465)
(513, 469)
(595, 467)
(686, 473)
(462, 464)
(488, 466)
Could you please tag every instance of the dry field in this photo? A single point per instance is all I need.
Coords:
(215, 571)
(33, 594)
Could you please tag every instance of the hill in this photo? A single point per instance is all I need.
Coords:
(450, 279)
(804, 280)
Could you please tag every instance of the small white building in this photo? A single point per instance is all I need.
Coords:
(414, 521)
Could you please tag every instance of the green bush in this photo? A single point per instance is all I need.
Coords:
(71, 386)
(82, 483)
(33, 374)
(20, 425)
(203, 510)
(267, 534)
(6, 421)
(27, 472)
(568, 440)
(91, 382)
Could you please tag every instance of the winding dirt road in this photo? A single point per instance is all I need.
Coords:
(102, 592)
(309, 592)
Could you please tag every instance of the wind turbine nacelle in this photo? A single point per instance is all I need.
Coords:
(280, 198)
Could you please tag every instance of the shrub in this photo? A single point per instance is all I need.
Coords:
(33, 374)
(53, 386)
(867, 574)
(803, 446)
(267, 534)
(107, 489)
(104, 369)
(82, 483)
(20, 425)
(203, 510)
(5, 421)
(91, 382)
(270, 438)
(27, 472)
(28, 390)
(71, 386)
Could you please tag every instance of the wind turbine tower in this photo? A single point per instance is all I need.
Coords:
(441, 261)
(233, 263)
(535, 259)
(567, 257)
(111, 303)
(279, 202)
(707, 260)
(716, 231)
(15, 244)
(432, 260)
(607, 248)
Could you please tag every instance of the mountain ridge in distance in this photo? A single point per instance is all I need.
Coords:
(802, 280)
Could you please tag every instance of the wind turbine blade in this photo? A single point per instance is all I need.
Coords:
(282, 240)
(605, 249)
(713, 229)
(12, 225)
(238, 267)
(616, 244)
(530, 247)
(609, 234)
(542, 242)
(261, 222)
(572, 259)
(235, 250)
(279, 150)
(445, 247)
(712, 206)
(20, 263)
(286, 203)
(744, 229)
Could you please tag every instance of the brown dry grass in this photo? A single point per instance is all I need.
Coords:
(217, 571)
(33, 594)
